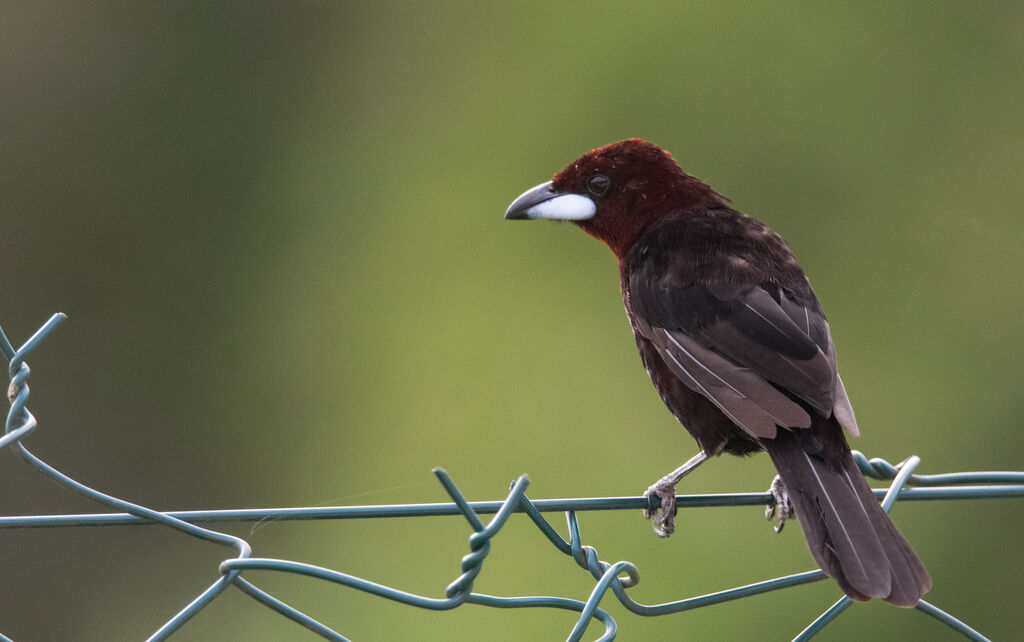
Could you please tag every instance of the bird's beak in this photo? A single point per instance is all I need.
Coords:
(544, 201)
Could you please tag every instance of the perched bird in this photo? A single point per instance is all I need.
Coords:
(737, 346)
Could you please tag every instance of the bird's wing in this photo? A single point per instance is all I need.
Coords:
(731, 343)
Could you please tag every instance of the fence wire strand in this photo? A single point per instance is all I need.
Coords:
(616, 577)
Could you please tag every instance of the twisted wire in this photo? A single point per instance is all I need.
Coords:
(616, 577)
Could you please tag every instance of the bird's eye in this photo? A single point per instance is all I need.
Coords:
(598, 184)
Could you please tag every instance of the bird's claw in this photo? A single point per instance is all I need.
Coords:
(663, 519)
(782, 507)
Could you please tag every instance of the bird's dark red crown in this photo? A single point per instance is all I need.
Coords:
(645, 183)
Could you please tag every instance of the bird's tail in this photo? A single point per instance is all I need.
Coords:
(850, 536)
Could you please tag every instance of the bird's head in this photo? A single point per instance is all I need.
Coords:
(615, 192)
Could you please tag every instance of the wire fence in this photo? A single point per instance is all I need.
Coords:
(617, 577)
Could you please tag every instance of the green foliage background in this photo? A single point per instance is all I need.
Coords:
(277, 230)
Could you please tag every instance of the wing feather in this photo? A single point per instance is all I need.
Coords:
(744, 347)
(752, 403)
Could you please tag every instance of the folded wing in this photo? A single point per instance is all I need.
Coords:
(743, 347)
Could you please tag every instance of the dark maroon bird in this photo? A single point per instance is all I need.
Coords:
(738, 347)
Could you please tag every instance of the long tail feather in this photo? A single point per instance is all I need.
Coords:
(849, 535)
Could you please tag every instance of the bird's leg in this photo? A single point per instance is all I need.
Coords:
(664, 518)
(782, 506)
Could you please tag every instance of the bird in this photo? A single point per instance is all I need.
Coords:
(738, 347)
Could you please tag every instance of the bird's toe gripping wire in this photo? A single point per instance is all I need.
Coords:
(782, 508)
(663, 518)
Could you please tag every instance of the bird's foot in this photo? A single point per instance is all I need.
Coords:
(663, 519)
(782, 507)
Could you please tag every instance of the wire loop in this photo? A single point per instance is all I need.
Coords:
(616, 577)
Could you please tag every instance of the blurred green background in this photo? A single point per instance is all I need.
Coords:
(277, 230)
